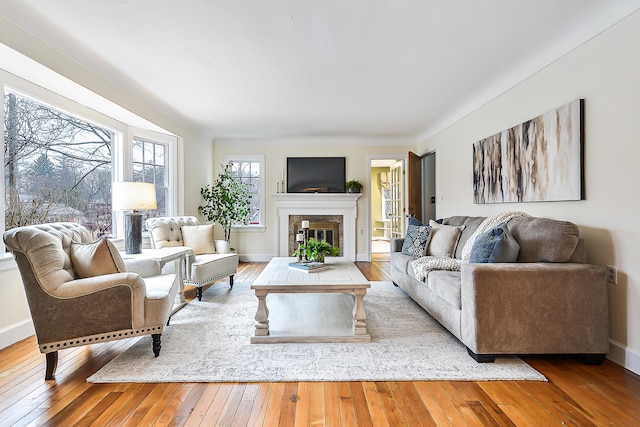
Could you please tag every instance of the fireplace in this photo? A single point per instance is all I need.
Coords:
(331, 214)
(321, 227)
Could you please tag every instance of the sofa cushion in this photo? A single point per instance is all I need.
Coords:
(199, 238)
(416, 240)
(543, 239)
(444, 239)
(96, 258)
(495, 245)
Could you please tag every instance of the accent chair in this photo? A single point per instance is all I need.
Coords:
(80, 292)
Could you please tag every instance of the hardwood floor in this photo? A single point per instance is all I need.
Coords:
(576, 394)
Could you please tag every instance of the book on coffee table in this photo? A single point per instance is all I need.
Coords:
(308, 266)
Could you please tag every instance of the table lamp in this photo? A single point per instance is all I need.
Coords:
(133, 196)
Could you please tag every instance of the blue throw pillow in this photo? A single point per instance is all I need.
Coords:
(414, 221)
(495, 245)
(416, 240)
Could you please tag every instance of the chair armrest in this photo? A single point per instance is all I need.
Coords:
(87, 287)
(81, 287)
(534, 308)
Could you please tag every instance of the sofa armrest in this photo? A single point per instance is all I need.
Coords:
(534, 308)
(396, 244)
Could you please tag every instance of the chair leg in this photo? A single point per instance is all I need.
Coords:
(52, 364)
(199, 293)
(156, 344)
(231, 281)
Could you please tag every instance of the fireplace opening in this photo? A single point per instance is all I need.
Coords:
(321, 227)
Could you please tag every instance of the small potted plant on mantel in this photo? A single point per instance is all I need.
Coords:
(354, 186)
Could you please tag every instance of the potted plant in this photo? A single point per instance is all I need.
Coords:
(316, 250)
(354, 186)
(226, 201)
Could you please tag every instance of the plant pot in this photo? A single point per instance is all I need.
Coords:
(353, 190)
(222, 247)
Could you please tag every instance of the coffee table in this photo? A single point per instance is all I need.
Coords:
(341, 276)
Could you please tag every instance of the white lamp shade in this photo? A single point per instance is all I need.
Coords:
(133, 196)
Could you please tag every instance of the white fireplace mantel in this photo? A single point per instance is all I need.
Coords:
(344, 204)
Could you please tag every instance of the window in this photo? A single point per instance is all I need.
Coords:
(59, 162)
(250, 170)
(57, 167)
(150, 165)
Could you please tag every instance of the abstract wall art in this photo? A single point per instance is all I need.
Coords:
(538, 160)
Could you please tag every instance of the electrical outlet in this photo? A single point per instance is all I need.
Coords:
(612, 274)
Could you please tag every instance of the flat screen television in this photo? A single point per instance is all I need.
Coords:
(316, 175)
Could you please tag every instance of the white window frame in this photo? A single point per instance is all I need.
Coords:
(122, 165)
(260, 158)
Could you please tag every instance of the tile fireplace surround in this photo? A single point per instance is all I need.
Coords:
(317, 204)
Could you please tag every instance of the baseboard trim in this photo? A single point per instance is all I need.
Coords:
(624, 356)
(14, 333)
(256, 257)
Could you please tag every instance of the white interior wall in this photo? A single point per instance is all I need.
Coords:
(262, 245)
(604, 71)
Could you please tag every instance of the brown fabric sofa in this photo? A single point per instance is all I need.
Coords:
(548, 302)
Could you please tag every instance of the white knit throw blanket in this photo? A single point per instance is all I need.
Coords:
(487, 225)
(423, 265)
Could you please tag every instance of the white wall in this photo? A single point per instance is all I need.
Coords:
(605, 72)
(261, 246)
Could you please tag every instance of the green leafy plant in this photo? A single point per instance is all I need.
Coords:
(316, 250)
(353, 186)
(226, 201)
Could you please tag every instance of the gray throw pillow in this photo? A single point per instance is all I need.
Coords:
(495, 245)
(416, 240)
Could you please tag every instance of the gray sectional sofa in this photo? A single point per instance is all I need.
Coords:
(548, 302)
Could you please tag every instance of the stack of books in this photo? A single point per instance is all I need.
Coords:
(310, 266)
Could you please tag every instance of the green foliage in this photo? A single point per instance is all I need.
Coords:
(316, 250)
(226, 201)
(353, 184)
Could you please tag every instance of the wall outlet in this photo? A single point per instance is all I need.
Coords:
(612, 274)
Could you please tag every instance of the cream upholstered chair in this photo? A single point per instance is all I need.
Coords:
(80, 292)
(207, 261)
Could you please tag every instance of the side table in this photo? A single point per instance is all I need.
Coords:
(163, 256)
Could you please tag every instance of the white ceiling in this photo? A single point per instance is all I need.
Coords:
(267, 68)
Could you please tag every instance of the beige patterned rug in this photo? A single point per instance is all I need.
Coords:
(208, 341)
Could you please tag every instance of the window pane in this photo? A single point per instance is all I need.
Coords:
(57, 167)
(137, 151)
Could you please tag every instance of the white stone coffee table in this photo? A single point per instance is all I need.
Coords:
(338, 318)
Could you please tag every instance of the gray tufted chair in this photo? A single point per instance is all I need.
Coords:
(71, 311)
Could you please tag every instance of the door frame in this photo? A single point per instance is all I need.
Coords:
(369, 214)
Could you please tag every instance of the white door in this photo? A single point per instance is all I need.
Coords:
(397, 212)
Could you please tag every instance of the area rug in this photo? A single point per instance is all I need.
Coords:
(208, 341)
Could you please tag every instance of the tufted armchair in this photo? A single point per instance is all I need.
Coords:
(80, 292)
(207, 261)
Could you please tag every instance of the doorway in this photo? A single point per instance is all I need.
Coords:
(386, 203)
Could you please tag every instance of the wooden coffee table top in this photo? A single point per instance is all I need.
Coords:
(340, 273)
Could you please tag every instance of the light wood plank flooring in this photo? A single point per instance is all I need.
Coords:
(576, 394)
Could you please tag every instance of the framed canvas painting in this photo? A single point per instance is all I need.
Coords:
(538, 160)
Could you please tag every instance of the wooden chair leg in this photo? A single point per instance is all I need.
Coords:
(231, 281)
(52, 365)
(156, 344)
(199, 293)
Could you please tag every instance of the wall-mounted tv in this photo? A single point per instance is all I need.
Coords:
(316, 175)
